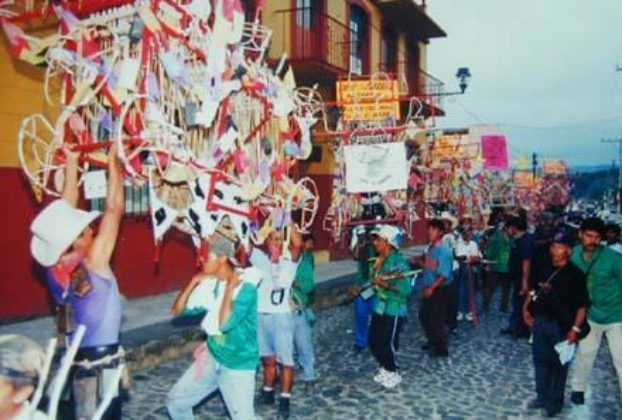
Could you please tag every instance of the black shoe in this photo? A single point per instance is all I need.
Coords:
(534, 404)
(521, 335)
(577, 397)
(284, 408)
(547, 412)
(266, 397)
(439, 353)
(358, 349)
(309, 387)
(507, 331)
(426, 346)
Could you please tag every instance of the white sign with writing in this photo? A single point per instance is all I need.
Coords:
(376, 167)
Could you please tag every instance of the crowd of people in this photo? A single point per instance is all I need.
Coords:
(561, 286)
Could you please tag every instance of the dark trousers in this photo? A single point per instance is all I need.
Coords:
(432, 313)
(384, 341)
(516, 324)
(550, 374)
(451, 304)
(491, 281)
(87, 383)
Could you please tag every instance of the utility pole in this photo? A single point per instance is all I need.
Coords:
(619, 142)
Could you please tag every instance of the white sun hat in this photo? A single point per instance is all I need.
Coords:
(392, 234)
(55, 228)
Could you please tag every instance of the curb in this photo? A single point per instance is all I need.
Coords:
(152, 345)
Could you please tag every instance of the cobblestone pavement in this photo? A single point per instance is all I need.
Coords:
(487, 376)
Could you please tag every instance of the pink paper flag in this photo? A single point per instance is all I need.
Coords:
(495, 152)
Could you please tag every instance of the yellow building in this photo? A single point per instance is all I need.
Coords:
(324, 40)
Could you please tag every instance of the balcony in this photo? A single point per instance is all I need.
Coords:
(413, 81)
(410, 18)
(315, 38)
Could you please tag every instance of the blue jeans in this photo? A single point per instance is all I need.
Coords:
(362, 312)
(303, 342)
(550, 374)
(465, 285)
(237, 388)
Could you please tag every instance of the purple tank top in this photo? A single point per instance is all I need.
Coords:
(99, 310)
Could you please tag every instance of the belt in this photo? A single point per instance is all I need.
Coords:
(90, 357)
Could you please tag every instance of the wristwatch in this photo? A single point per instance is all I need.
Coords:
(576, 329)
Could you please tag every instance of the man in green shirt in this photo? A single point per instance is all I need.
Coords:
(498, 251)
(603, 268)
(302, 294)
(393, 288)
(227, 362)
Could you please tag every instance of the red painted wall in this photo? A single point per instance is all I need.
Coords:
(22, 291)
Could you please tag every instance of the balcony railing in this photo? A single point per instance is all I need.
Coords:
(413, 81)
(316, 36)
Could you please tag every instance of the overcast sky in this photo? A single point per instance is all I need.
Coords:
(543, 70)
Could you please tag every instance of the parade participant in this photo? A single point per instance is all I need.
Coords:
(362, 290)
(21, 363)
(275, 325)
(498, 252)
(390, 308)
(450, 238)
(468, 255)
(302, 297)
(520, 266)
(555, 309)
(612, 237)
(437, 276)
(81, 280)
(228, 360)
(603, 271)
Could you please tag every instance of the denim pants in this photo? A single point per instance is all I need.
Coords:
(202, 379)
(465, 285)
(303, 342)
(550, 374)
(362, 312)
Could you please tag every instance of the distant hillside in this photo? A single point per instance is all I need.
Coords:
(589, 168)
(593, 184)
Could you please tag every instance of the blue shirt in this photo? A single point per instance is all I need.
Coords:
(438, 262)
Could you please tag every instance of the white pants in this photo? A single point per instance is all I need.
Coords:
(588, 348)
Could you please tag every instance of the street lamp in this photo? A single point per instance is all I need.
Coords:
(463, 75)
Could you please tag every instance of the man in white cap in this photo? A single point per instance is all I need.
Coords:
(79, 277)
(227, 362)
(390, 308)
(21, 363)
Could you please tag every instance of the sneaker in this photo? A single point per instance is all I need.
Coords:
(284, 408)
(380, 375)
(577, 397)
(460, 316)
(266, 397)
(469, 317)
(391, 380)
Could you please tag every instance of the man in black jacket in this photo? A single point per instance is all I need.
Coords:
(555, 309)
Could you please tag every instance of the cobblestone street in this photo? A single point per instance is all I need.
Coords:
(487, 376)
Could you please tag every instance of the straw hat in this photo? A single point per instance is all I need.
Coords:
(55, 228)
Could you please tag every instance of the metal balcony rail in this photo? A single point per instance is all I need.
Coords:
(316, 36)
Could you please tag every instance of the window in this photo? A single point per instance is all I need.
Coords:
(389, 50)
(306, 13)
(358, 40)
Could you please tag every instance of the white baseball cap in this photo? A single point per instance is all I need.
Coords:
(392, 234)
(55, 228)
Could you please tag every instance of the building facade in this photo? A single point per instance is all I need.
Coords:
(325, 41)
